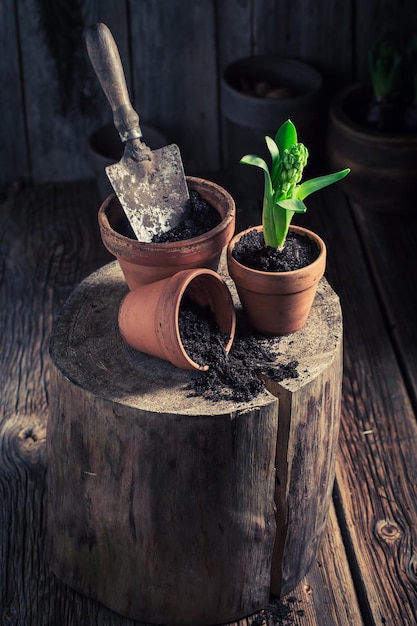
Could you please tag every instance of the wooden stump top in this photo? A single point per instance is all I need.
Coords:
(89, 350)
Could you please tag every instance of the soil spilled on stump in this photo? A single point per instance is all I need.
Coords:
(200, 217)
(280, 612)
(236, 376)
(298, 251)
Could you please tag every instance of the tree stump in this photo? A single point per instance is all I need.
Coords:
(174, 509)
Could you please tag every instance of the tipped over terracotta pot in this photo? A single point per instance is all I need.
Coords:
(149, 315)
(144, 263)
(277, 303)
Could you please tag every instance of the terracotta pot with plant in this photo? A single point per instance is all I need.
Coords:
(373, 129)
(276, 267)
(144, 263)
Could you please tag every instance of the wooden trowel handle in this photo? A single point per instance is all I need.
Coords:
(105, 58)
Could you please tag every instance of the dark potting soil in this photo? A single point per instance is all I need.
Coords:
(200, 217)
(298, 252)
(237, 375)
(200, 335)
(279, 612)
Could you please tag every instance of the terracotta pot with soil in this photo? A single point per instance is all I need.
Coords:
(143, 263)
(277, 303)
(180, 319)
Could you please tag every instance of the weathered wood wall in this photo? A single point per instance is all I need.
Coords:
(173, 53)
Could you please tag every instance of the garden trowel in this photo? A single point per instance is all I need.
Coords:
(150, 184)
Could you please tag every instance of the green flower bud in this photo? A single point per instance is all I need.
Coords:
(293, 159)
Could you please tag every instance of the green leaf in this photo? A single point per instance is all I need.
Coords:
(296, 205)
(310, 186)
(268, 202)
(282, 221)
(273, 148)
(268, 211)
(286, 136)
(283, 214)
(268, 221)
(385, 64)
(252, 159)
(276, 160)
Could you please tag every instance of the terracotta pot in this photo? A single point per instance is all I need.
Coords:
(105, 147)
(144, 263)
(277, 303)
(148, 315)
(248, 118)
(383, 164)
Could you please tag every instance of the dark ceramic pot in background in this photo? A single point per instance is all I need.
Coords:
(383, 165)
(248, 118)
(144, 263)
(105, 148)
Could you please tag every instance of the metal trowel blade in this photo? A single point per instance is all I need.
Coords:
(154, 196)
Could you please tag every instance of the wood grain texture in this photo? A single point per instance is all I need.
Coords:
(320, 599)
(377, 471)
(306, 456)
(173, 55)
(45, 247)
(304, 30)
(52, 236)
(309, 413)
(150, 401)
(391, 252)
(64, 101)
(14, 154)
(174, 73)
(308, 427)
(234, 31)
(156, 509)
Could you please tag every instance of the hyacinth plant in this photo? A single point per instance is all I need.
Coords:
(283, 195)
(385, 61)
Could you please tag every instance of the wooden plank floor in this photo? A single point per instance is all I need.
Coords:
(377, 471)
(366, 570)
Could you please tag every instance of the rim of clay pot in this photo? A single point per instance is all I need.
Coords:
(119, 245)
(341, 118)
(267, 280)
